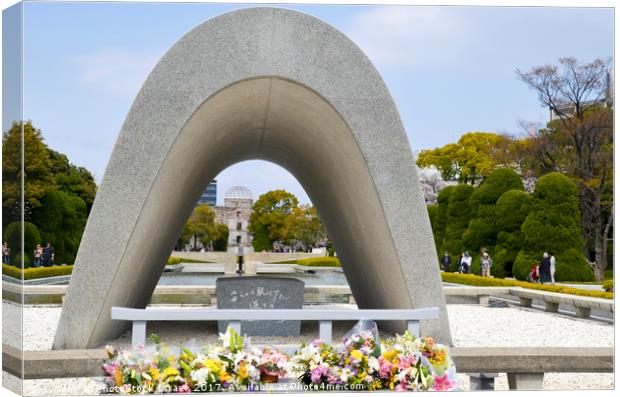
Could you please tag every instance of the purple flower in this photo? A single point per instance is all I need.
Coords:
(317, 373)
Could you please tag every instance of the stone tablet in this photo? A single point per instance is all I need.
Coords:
(261, 293)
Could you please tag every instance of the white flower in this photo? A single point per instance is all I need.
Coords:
(345, 374)
(225, 338)
(200, 376)
(373, 363)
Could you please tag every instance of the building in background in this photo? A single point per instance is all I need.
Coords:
(235, 214)
(209, 195)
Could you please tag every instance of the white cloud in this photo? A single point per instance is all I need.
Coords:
(409, 36)
(118, 72)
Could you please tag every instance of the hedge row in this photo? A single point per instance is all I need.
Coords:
(173, 260)
(470, 279)
(325, 261)
(36, 272)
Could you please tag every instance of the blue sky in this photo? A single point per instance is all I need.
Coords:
(449, 69)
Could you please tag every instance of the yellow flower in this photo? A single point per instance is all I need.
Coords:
(243, 371)
(118, 377)
(168, 372)
(225, 376)
(390, 354)
(356, 354)
(213, 365)
(154, 373)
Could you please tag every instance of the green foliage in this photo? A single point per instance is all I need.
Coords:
(36, 272)
(554, 226)
(270, 213)
(71, 179)
(261, 240)
(608, 285)
(61, 220)
(324, 261)
(201, 226)
(221, 243)
(12, 235)
(470, 279)
(438, 222)
(38, 179)
(457, 218)
(303, 225)
(473, 157)
(510, 211)
(482, 230)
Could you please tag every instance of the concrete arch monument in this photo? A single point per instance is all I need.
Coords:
(258, 83)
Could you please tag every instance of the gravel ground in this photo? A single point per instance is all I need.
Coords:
(472, 326)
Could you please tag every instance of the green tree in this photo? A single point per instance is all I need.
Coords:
(439, 223)
(38, 179)
(261, 241)
(270, 213)
(471, 159)
(510, 212)
(304, 226)
(578, 142)
(221, 243)
(553, 225)
(201, 226)
(482, 231)
(71, 179)
(457, 219)
(13, 236)
(61, 219)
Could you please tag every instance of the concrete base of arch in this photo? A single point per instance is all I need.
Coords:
(273, 94)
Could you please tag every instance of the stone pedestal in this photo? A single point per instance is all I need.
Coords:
(483, 381)
(257, 292)
(552, 307)
(582, 312)
(525, 381)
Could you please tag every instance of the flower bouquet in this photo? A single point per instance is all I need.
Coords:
(272, 365)
(317, 364)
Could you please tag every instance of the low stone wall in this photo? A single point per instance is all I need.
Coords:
(229, 257)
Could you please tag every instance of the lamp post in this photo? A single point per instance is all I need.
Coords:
(240, 260)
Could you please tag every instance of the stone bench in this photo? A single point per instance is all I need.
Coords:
(478, 295)
(552, 300)
(139, 317)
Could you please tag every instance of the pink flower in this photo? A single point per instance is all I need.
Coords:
(385, 368)
(442, 383)
(110, 368)
(184, 388)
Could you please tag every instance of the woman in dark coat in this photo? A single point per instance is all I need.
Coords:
(545, 269)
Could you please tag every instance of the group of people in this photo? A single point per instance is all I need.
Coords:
(43, 256)
(465, 261)
(543, 272)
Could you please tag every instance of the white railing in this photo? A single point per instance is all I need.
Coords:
(139, 317)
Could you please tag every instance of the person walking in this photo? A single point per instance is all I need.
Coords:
(6, 253)
(544, 269)
(552, 267)
(485, 265)
(48, 255)
(446, 262)
(38, 254)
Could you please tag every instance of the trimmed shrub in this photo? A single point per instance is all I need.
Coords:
(12, 235)
(327, 261)
(36, 272)
(439, 225)
(457, 219)
(511, 210)
(482, 230)
(61, 220)
(608, 285)
(173, 260)
(470, 279)
(554, 225)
